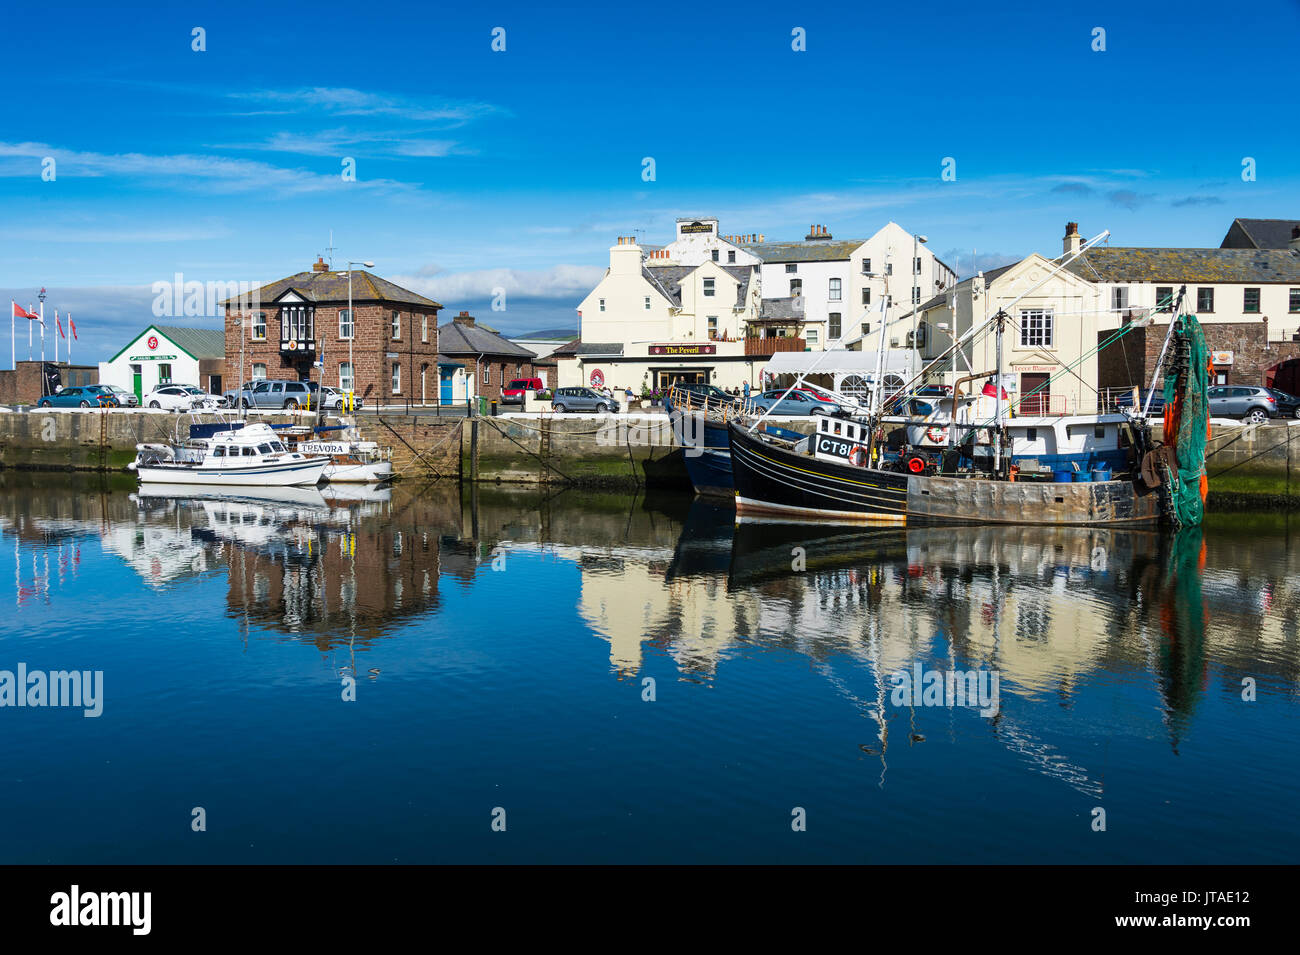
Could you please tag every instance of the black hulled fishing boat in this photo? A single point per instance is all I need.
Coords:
(841, 472)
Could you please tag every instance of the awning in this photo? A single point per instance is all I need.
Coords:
(836, 362)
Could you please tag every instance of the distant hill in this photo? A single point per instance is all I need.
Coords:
(550, 334)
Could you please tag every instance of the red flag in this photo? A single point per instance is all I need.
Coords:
(20, 312)
(72, 326)
(990, 391)
(58, 324)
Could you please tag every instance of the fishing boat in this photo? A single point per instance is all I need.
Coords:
(841, 471)
(251, 455)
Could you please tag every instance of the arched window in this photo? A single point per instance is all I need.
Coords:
(855, 386)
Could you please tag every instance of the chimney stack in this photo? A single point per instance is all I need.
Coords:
(464, 318)
(319, 265)
(1294, 244)
(1073, 241)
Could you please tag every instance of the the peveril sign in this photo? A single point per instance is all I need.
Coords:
(597, 378)
(683, 349)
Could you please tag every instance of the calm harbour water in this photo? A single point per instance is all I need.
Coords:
(501, 642)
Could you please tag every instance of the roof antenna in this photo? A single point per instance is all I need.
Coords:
(330, 250)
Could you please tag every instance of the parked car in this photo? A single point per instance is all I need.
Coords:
(1253, 403)
(73, 398)
(118, 397)
(1124, 401)
(815, 395)
(1288, 406)
(277, 393)
(333, 399)
(174, 397)
(795, 403)
(582, 399)
(513, 393)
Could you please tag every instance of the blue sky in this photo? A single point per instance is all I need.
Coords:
(477, 169)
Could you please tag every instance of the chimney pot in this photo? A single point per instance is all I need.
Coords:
(319, 265)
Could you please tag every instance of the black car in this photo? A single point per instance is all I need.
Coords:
(709, 396)
(1288, 406)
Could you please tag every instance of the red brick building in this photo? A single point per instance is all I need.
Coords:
(288, 326)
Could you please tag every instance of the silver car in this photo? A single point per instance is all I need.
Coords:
(582, 399)
(1254, 403)
(277, 393)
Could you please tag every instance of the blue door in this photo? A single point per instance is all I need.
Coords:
(444, 388)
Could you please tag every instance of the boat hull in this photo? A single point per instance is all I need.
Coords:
(374, 472)
(710, 472)
(306, 472)
(780, 482)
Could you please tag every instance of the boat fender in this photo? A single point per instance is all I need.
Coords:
(936, 435)
(858, 456)
(914, 464)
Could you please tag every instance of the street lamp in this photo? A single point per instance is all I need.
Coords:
(352, 321)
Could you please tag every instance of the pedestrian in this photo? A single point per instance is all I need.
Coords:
(746, 389)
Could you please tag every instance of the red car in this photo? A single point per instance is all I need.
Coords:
(816, 395)
(513, 393)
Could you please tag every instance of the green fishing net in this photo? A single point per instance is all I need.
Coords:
(1188, 430)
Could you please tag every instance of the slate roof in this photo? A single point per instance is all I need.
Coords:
(668, 278)
(199, 342)
(832, 250)
(780, 308)
(1263, 266)
(333, 287)
(599, 348)
(1259, 233)
(459, 340)
(568, 349)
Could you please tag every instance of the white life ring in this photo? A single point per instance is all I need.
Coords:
(858, 456)
(936, 435)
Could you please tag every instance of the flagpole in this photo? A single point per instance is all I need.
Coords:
(13, 342)
(56, 336)
(42, 300)
(29, 332)
(71, 336)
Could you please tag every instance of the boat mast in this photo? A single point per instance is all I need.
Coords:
(1000, 319)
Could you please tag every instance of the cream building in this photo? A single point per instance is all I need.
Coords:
(1049, 339)
(838, 284)
(652, 321)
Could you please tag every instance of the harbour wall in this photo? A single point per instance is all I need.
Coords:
(1249, 467)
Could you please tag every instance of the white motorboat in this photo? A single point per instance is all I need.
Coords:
(249, 456)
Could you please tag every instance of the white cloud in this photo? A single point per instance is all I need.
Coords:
(342, 101)
(557, 282)
(338, 142)
(215, 173)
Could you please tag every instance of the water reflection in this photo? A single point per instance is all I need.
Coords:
(1055, 611)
